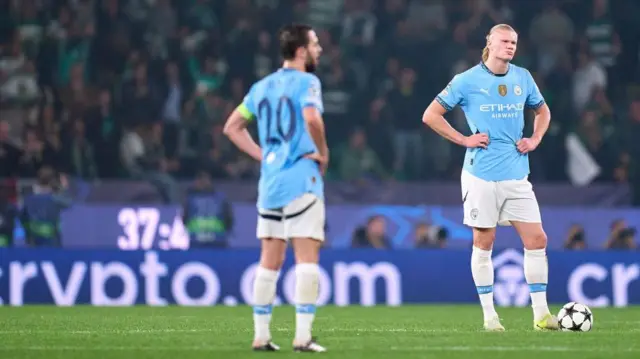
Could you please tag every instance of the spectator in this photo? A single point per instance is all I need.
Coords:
(78, 96)
(373, 235)
(632, 150)
(175, 97)
(207, 214)
(80, 154)
(552, 33)
(602, 151)
(42, 209)
(408, 106)
(358, 28)
(103, 132)
(122, 66)
(379, 132)
(601, 38)
(358, 161)
(427, 236)
(9, 152)
(18, 80)
(8, 217)
(576, 239)
(265, 59)
(132, 150)
(621, 237)
(53, 153)
(33, 155)
(141, 98)
(587, 79)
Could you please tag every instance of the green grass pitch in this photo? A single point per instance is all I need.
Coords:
(437, 331)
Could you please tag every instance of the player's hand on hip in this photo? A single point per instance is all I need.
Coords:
(526, 145)
(322, 160)
(478, 140)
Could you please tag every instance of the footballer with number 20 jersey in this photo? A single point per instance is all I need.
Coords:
(277, 102)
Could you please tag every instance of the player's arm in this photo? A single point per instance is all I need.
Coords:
(312, 108)
(541, 122)
(236, 129)
(433, 116)
(542, 119)
(315, 125)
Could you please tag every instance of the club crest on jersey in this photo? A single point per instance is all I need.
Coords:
(517, 90)
(502, 90)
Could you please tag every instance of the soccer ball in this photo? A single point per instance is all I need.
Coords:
(575, 317)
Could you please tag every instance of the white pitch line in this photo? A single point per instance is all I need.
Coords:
(114, 331)
(284, 330)
(513, 348)
(342, 348)
(277, 329)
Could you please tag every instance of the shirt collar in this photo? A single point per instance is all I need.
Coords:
(484, 67)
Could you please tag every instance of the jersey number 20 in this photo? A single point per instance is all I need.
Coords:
(265, 111)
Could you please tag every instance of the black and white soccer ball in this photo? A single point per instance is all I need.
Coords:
(575, 317)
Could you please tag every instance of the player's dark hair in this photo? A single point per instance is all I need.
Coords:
(292, 37)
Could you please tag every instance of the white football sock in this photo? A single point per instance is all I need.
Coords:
(307, 275)
(482, 271)
(536, 272)
(264, 290)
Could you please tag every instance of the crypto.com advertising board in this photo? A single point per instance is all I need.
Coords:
(348, 277)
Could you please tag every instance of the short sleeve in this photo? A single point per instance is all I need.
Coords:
(311, 94)
(534, 97)
(453, 94)
(247, 108)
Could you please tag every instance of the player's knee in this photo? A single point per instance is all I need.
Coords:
(483, 238)
(273, 253)
(306, 250)
(536, 240)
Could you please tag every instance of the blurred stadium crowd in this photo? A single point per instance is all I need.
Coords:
(141, 88)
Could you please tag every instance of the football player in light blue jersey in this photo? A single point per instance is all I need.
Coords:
(494, 181)
(287, 106)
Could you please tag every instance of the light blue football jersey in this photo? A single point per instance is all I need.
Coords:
(494, 104)
(276, 102)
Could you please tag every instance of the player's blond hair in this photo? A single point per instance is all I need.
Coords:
(485, 51)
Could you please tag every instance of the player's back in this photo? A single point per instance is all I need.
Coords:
(278, 101)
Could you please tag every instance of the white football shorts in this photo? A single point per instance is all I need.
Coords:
(490, 203)
(304, 217)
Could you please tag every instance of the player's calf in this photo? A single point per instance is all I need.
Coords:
(483, 275)
(306, 293)
(264, 290)
(536, 270)
(536, 273)
(307, 288)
